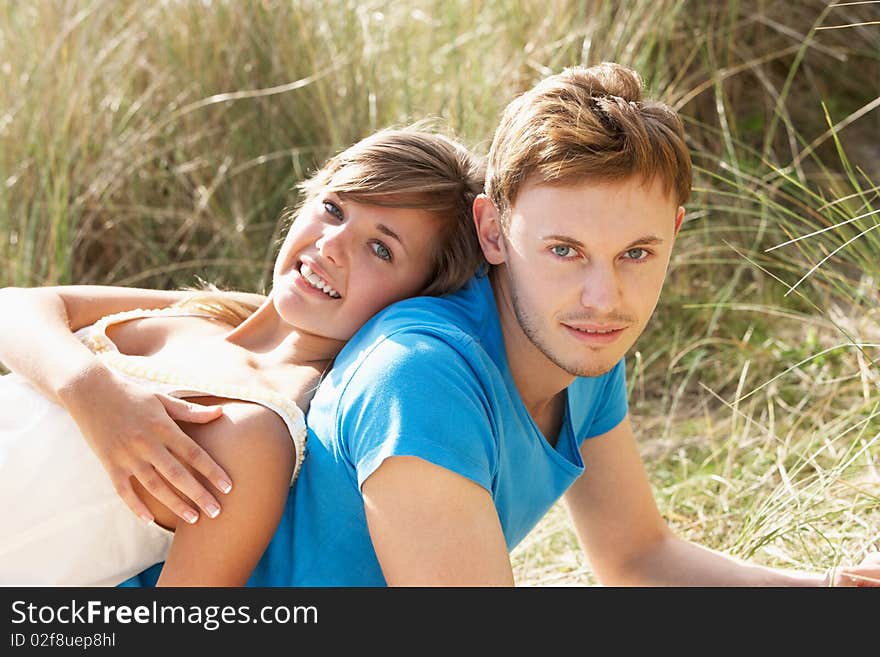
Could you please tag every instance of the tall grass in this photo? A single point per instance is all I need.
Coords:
(147, 143)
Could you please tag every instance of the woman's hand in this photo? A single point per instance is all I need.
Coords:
(133, 432)
(867, 573)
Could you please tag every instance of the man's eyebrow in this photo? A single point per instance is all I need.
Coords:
(647, 240)
(563, 238)
(644, 240)
(382, 228)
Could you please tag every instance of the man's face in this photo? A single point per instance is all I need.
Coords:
(583, 265)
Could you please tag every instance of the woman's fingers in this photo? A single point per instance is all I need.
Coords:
(134, 436)
(187, 411)
(122, 485)
(173, 474)
(156, 485)
(190, 451)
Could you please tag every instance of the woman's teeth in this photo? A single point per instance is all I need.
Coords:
(317, 282)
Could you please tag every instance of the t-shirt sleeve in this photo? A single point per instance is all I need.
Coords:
(416, 395)
(609, 405)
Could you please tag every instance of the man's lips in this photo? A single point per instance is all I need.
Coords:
(598, 334)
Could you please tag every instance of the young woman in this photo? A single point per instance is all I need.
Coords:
(386, 219)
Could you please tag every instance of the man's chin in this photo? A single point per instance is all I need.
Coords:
(592, 372)
(593, 367)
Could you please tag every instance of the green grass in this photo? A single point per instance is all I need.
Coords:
(148, 143)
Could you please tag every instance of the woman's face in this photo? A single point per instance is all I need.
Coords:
(343, 261)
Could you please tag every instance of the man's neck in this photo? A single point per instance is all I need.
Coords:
(540, 382)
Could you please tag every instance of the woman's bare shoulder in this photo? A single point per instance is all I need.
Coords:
(246, 429)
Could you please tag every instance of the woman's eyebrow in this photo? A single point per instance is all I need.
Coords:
(382, 228)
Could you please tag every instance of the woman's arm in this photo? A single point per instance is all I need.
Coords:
(37, 342)
(37, 325)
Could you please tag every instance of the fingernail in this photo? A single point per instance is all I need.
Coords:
(190, 517)
(146, 518)
(224, 485)
(213, 510)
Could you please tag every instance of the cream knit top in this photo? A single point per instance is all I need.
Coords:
(180, 385)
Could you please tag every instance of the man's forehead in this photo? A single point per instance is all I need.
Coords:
(598, 186)
(580, 208)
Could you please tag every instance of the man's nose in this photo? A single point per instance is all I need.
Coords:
(601, 289)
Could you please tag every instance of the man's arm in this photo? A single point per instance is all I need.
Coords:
(627, 541)
(432, 527)
(414, 423)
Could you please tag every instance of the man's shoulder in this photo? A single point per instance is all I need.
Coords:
(411, 342)
(462, 310)
(455, 319)
(437, 316)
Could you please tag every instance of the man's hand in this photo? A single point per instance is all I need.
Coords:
(867, 573)
(133, 432)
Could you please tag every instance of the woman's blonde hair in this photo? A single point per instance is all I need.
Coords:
(208, 299)
(411, 167)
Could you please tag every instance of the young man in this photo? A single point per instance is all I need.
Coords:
(449, 426)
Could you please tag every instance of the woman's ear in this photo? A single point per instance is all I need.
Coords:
(487, 221)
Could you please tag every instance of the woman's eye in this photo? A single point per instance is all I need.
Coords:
(331, 208)
(637, 254)
(562, 251)
(381, 251)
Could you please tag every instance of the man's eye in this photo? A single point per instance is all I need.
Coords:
(637, 254)
(331, 208)
(381, 251)
(562, 251)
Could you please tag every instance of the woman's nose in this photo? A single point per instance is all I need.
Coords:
(332, 243)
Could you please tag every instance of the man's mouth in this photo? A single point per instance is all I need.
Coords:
(596, 331)
(596, 335)
(317, 282)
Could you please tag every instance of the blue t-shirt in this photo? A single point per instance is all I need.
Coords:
(426, 377)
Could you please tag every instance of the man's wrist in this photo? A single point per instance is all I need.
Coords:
(805, 578)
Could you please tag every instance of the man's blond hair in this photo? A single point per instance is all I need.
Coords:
(586, 123)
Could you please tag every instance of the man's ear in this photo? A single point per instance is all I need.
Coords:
(679, 217)
(487, 221)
